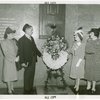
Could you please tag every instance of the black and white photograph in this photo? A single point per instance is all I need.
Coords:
(50, 49)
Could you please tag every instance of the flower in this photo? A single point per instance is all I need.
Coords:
(54, 45)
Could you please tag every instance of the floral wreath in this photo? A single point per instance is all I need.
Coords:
(55, 52)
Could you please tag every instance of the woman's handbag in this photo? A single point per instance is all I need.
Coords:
(18, 65)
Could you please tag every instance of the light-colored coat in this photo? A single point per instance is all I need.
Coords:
(9, 49)
(77, 72)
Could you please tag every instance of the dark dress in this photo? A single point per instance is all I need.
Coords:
(92, 63)
(28, 53)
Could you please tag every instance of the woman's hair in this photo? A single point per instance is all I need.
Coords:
(8, 31)
(26, 26)
(81, 38)
(96, 31)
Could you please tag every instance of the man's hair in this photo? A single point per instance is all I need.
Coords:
(26, 26)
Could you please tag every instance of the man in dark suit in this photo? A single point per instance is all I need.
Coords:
(28, 53)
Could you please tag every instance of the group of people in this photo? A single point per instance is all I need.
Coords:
(86, 59)
(24, 52)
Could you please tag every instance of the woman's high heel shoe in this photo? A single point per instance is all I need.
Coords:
(10, 93)
(74, 87)
(76, 92)
(13, 92)
(88, 91)
(93, 91)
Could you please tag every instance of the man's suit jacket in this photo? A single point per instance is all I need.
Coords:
(27, 50)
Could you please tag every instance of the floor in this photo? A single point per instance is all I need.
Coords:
(41, 90)
(83, 91)
(54, 90)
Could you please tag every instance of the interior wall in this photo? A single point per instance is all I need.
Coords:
(76, 15)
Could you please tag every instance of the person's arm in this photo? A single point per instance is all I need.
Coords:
(21, 51)
(21, 54)
(2, 49)
(81, 55)
(89, 48)
(37, 51)
(71, 50)
(79, 62)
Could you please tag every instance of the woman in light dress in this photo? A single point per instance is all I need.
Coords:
(9, 48)
(77, 66)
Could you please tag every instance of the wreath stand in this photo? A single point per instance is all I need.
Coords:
(59, 73)
(55, 68)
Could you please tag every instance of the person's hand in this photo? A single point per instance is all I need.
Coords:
(17, 59)
(24, 65)
(78, 63)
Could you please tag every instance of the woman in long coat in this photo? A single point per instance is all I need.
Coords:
(77, 66)
(9, 49)
(92, 56)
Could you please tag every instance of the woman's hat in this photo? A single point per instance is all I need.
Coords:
(79, 31)
(9, 30)
(95, 30)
